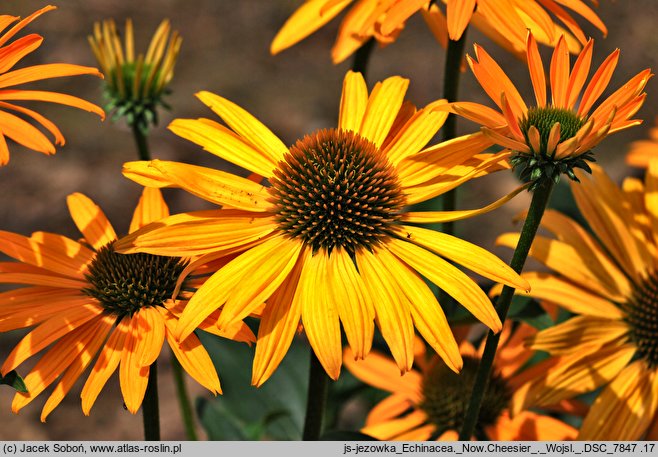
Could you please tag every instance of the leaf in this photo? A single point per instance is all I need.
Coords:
(273, 411)
(14, 380)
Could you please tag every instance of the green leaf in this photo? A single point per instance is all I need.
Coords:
(14, 380)
(273, 411)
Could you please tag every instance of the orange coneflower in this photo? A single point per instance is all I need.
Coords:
(326, 240)
(610, 284)
(505, 21)
(430, 403)
(12, 126)
(86, 300)
(554, 136)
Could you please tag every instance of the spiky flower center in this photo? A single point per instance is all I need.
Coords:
(446, 395)
(125, 283)
(541, 165)
(336, 188)
(544, 119)
(641, 315)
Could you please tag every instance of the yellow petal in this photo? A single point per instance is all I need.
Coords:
(355, 307)
(192, 356)
(246, 126)
(450, 279)
(199, 232)
(278, 324)
(383, 106)
(625, 408)
(464, 253)
(426, 312)
(308, 18)
(392, 307)
(320, 313)
(428, 217)
(570, 336)
(353, 102)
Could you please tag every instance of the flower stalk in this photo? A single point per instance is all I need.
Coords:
(538, 205)
(316, 403)
(150, 406)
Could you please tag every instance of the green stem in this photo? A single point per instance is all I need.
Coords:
(318, 388)
(451, 78)
(538, 205)
(150, 408)
(362, 57)
(184, 400)
(142, 144)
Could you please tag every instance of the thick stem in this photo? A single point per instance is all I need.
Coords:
(184, 400)
(318, 388)
(451, 77)
(150, 408)
(362, 57)
(538, 205)
(141, 142)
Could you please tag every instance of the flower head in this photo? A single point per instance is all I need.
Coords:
(326, 239)
(505, 21)
(135, 86)
(86, 300)
(610, 284)
(431, 402)
(16, 127)
(555, 136)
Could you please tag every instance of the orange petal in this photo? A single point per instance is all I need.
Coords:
(90, 220)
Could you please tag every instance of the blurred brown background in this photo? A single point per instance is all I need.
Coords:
(225, 50)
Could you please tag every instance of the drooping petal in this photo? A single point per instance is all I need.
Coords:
(320, 313)
(464, 253)
(448, 278)
(78, 366)
(192, 356)
(392, 307)
(259, 271)
(49, 332)
(106, 364)
(278, 324)
(133, 377)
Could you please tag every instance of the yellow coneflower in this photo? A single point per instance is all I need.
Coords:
(326, 240)
(505, 21)
(135, 85)
(11, 53)
(555, 136)
(430, 403)
(85, 300)
(641, 152)
(610, 284)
